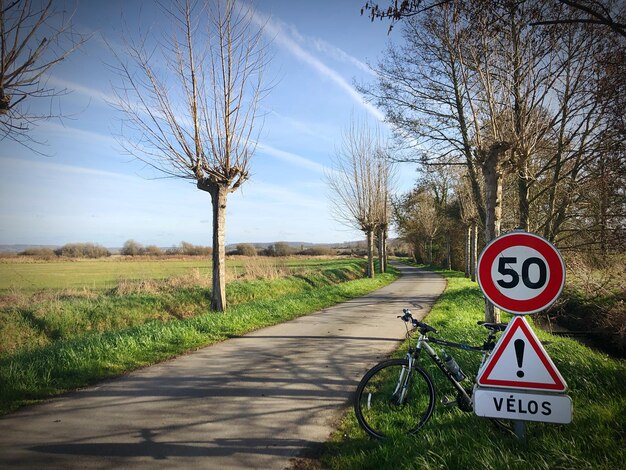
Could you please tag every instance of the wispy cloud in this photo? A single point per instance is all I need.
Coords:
(340, 55)
(283, 36)
(99, 95)
(292, 158)
(42, 167)
(80, 134)
(313, 129)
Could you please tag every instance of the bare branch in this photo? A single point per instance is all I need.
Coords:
(33, 39)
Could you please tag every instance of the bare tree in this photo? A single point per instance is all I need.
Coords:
(191, 101)
(419, 221)
(604, 13)
(385, 182)
(34, 37)
(598, 12)
(359, 183)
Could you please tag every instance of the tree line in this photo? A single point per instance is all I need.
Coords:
(130, 248)
(133, 248)
(513, 119)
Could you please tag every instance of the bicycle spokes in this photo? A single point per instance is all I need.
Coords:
(394, 399)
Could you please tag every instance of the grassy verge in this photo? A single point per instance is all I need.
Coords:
(35, 373)
(596, 439)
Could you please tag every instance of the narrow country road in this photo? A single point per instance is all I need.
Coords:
(256, 401)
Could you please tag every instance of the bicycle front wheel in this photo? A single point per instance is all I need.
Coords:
(393, 400)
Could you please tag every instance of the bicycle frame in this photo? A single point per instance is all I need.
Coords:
(422, 344)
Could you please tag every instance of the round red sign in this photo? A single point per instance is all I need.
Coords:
(521, 273)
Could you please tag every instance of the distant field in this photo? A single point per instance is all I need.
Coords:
(31, 276)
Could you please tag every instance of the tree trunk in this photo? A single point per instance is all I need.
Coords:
(473, 249)
(382, 249)
(523, 184)
(448, 254)
(219, 194)
(468, 249)
(492, 174)
(430, 251)
(381, 253)
(493, 193)
(493, 199)
(370, 253)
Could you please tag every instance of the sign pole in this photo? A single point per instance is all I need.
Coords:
(519, 427)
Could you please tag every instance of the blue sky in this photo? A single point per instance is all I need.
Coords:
(88, 189)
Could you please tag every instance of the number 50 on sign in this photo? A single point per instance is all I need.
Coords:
(521, 273)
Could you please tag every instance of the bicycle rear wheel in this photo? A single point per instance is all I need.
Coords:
(390, 399)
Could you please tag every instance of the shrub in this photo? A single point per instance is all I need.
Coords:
(132, 248)
(173, 251)
(318, 251)
(82, 250)
(279, 249)
(42, 253)
(153, 250)
(190, 249)
(246, 249)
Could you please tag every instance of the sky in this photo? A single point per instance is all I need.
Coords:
(85, 188)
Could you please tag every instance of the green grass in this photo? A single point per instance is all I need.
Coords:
(32, 275)
(87, 340)
(596, 439)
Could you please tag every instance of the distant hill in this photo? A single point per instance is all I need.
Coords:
(296, 245)
(19, 248)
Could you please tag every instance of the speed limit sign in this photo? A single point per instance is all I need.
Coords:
(521, 273)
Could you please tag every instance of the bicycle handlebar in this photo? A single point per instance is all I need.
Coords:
(424, 328)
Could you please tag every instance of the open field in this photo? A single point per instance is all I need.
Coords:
(92, 274)
(106, 273)
(452, 439)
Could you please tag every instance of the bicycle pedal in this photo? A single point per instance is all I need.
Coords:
(446, 401)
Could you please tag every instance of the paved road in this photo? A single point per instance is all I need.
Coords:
(250, 402)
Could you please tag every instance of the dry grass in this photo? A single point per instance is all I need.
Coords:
(16, 297)
(258, 267)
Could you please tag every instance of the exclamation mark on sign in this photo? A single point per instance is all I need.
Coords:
(519, 353)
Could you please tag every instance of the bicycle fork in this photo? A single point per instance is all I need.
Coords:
(402, 386)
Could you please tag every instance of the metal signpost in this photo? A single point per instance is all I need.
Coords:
(521, 273)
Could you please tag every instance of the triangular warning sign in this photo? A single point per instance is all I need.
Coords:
(519, 361)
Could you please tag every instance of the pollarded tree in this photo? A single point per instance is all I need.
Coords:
(191, 99)
(360, 182)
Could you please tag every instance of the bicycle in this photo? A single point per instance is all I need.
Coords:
(398, 395)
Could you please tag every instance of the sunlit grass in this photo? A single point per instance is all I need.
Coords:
(596, 439)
